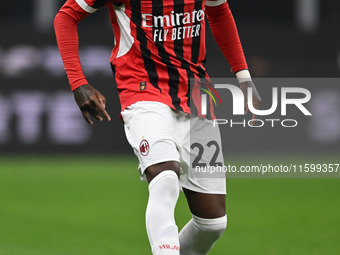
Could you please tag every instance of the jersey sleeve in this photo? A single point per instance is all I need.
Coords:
(91, 6)
(214, 2)
(224, 30)
(65, 26)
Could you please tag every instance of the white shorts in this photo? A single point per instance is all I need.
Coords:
(158, 134)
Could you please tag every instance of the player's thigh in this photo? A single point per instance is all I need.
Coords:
(149, 130)
(204, 205)
(205, 190)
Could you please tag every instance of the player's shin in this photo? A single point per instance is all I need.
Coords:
(160, 220)
(199, 235)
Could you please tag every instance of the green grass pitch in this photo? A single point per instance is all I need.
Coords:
(95, 206)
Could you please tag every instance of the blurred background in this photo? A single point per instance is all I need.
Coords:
(293, 38)
(68, 188)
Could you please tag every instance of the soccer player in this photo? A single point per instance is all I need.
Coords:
(159, 48)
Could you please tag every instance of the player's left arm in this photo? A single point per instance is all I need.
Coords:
(224, 30)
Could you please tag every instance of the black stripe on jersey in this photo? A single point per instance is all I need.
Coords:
(196, 41)
(193, 108)
(157, 10)
(201, 72)
(178, 47)
(190, 76)
(114, 75)
(149, 64)
(99, 3)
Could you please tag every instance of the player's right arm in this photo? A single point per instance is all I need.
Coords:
(224, 30)
(89, 100)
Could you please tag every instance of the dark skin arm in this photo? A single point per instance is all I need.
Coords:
(91, 101)
(256, 97)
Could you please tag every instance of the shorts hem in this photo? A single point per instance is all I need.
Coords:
(212, 192)
(142, 169)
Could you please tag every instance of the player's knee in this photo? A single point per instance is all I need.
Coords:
(154, 170)
(213, 228)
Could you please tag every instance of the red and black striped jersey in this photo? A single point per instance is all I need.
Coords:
(159, 47)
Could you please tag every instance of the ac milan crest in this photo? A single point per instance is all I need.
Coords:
(144, 147)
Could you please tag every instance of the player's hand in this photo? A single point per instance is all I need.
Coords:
(256, 97)
(91, 101)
